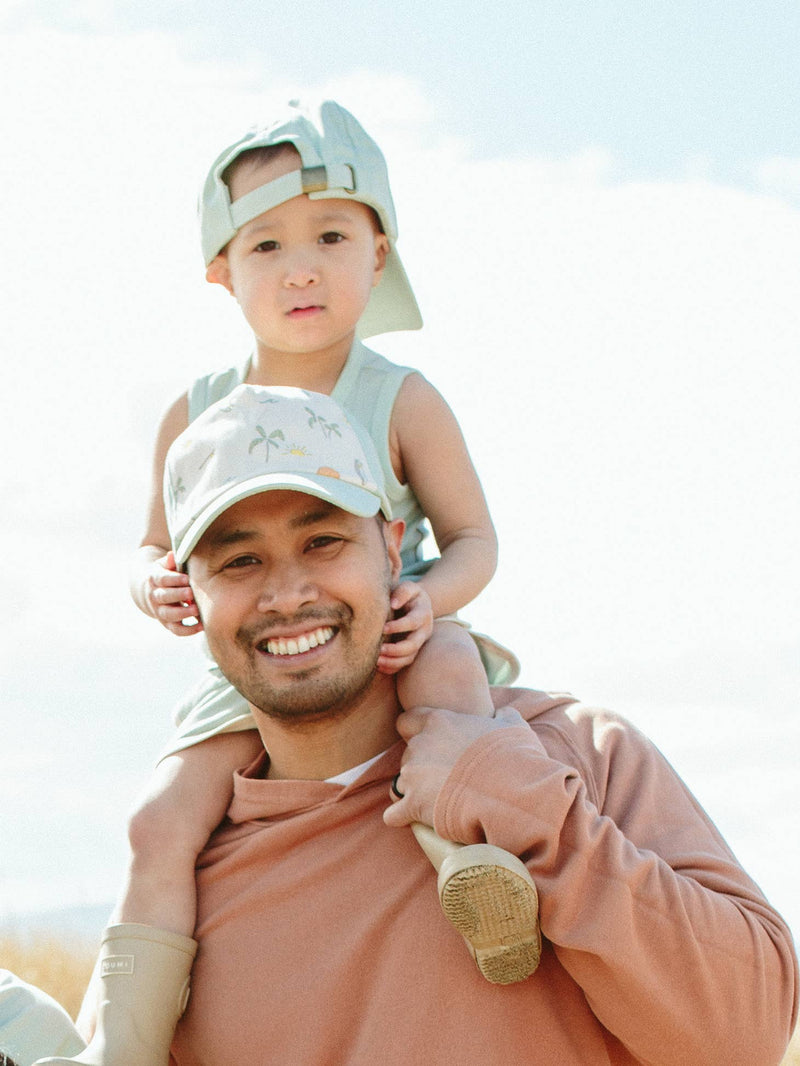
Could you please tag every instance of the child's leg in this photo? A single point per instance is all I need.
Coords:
(447, 672)
(485, 892)
(185, 801)
(138, 1002)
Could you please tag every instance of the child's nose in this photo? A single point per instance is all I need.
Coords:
(301, 269)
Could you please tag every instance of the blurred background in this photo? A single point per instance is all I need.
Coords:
(599, 208)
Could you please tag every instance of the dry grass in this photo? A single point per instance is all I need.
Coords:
(63, 969)
(59, 967)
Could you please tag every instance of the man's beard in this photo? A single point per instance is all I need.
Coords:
(304, 698)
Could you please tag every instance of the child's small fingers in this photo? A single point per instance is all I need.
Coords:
(173, 606)
(181, 630)
(167, 580)
(400, 649)
(393, 666)
(387, 668)
(171, 597)
(403, 594)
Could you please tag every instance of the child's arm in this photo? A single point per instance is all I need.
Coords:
(429, 453)
(156, 587)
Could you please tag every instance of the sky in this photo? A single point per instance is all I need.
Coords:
(599, 207)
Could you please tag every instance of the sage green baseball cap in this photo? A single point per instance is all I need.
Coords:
(339, 159)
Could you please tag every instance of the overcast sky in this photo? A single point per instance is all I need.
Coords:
(599, 209)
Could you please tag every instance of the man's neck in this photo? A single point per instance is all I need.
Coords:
(316, 750)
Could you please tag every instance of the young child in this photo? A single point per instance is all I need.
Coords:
(298, 225)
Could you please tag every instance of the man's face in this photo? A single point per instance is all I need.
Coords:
(294, 593)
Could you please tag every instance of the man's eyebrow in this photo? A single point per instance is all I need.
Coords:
(320, 514)
(224, 538)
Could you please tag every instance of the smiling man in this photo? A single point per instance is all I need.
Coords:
(293, 587)
(320, 940)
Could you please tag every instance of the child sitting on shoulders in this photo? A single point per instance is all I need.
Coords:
(298, 224)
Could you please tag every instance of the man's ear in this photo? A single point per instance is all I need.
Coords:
(381, 252)
(393, 538)
(218, 272)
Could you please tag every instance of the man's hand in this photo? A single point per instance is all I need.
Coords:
(436, 739)
(170, 597)
(414, 619)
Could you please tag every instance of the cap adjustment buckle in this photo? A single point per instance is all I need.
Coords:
(318, 179)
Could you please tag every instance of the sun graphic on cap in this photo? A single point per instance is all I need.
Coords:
(297, 450)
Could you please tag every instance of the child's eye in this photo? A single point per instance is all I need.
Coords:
(267, 246)
(331, 238)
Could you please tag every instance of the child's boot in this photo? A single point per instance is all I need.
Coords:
(490, 898)
(144, 986)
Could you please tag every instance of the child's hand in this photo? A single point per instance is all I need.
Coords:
(171, 599)
(413, 619)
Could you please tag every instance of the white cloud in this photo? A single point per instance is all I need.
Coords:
(780, 176)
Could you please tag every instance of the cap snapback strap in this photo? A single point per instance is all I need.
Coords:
(295, 183)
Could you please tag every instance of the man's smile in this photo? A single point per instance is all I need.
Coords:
(304, 642)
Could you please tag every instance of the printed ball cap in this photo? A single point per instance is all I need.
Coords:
(262, 438)
(339, 159)
(32, 1024)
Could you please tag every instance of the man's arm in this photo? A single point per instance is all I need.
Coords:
(679, 955)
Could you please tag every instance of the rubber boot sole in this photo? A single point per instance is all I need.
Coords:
(488, 895)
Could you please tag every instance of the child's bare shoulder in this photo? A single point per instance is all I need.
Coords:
(420, 402)
(422, 425)
(173, 422)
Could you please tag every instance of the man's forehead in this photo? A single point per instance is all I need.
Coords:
(295, 510)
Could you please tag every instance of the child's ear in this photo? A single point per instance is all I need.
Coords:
(381, 252)
(218, 272)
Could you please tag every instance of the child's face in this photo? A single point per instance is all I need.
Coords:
(303, 271)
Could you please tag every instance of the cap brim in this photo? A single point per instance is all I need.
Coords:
(340, 493)
(392, 304)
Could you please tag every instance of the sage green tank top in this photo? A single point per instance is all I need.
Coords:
(367, 388)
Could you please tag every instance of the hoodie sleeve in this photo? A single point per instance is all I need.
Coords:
(677, 951)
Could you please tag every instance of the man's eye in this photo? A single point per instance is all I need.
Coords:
(240, 562)
(331, 238)
(325, 541)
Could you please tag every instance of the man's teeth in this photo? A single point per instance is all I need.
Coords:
(297, 645)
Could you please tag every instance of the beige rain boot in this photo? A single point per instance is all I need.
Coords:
(144, 976)
(490, 898)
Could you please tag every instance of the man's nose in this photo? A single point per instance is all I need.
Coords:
(286, 588)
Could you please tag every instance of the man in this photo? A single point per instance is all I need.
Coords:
(320, 940)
